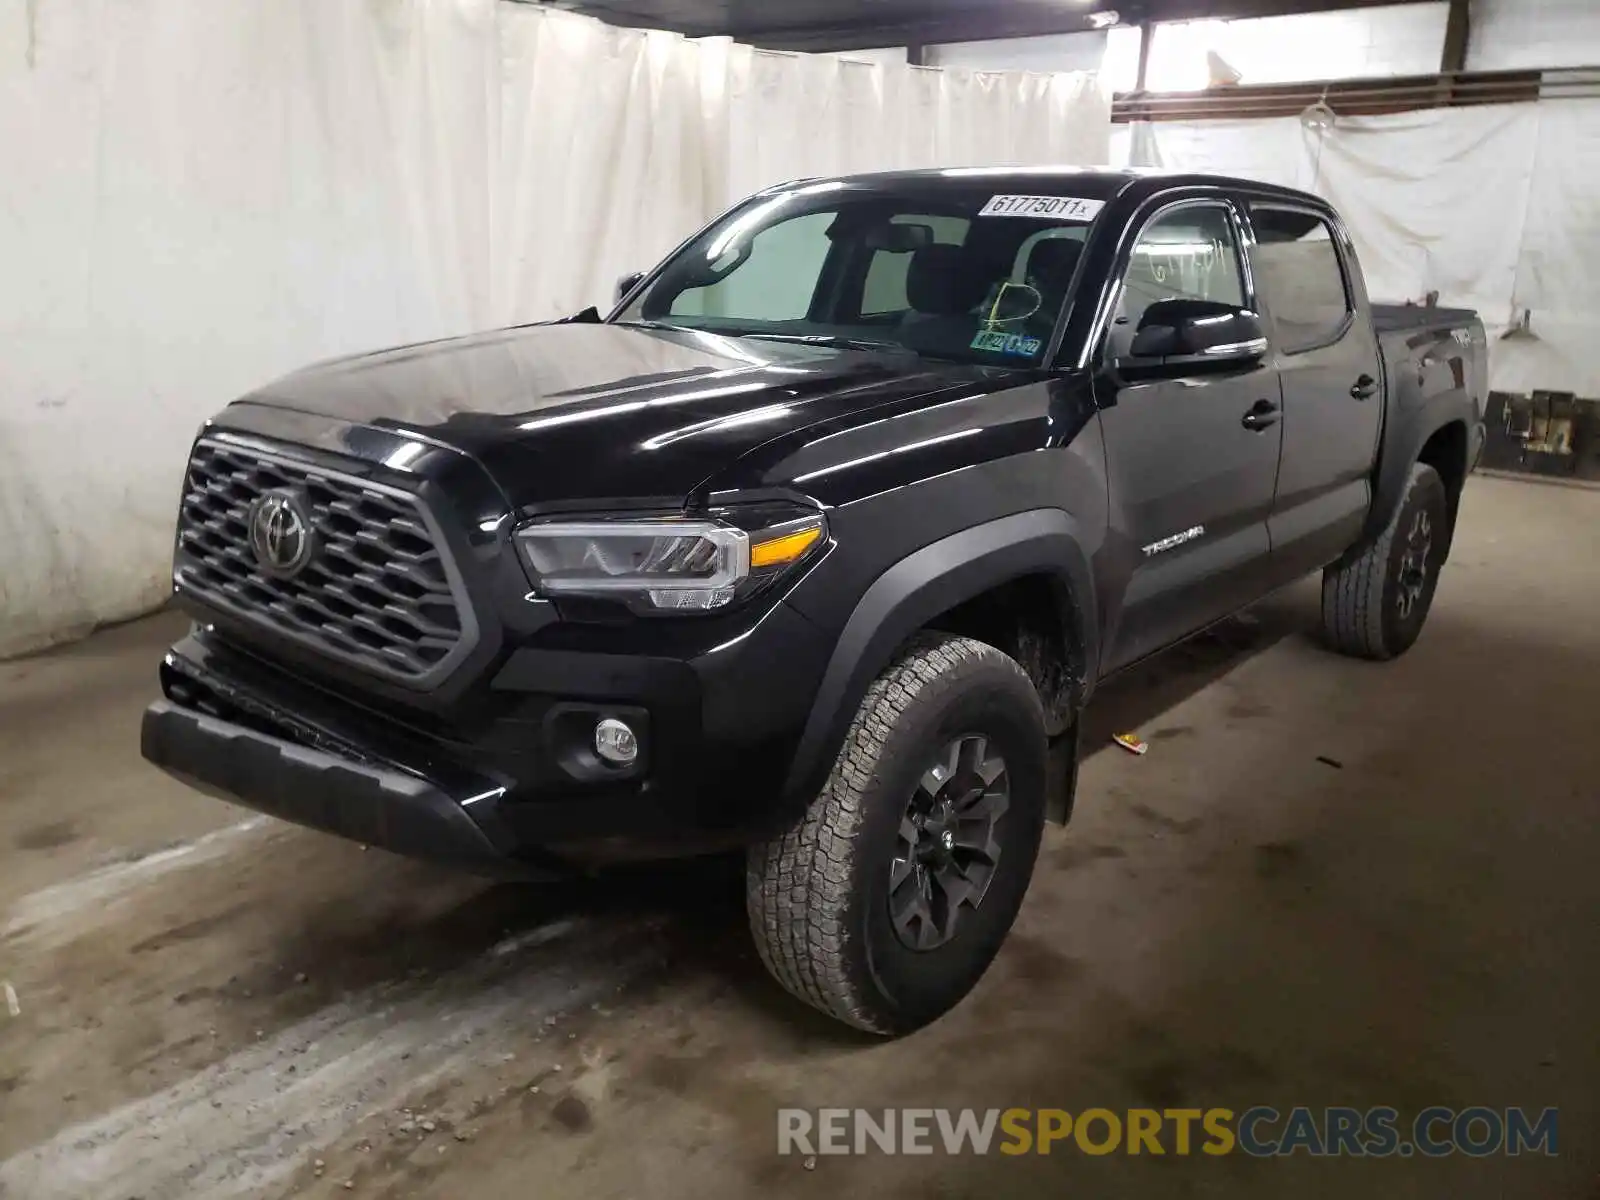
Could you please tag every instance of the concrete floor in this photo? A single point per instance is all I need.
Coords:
(214, 1005)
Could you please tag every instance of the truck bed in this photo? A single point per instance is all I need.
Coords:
(1408, 318)
(1431, 356)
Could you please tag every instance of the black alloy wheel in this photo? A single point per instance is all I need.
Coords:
(948, 849)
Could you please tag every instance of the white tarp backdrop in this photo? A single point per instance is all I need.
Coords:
(1494, 207)
(196, 197)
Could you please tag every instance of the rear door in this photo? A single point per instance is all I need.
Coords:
(1191, 479)
(1332, 374)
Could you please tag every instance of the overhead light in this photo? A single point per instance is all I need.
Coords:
(1104, 19)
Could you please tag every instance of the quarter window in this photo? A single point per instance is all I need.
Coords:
(1298, 267)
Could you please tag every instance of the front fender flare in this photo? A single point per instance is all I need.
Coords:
(919, 588)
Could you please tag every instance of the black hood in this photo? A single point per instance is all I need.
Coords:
(568, 413)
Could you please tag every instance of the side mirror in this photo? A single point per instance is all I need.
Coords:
(627, 283)
(1184, 334)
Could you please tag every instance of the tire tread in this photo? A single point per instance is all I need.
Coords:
(798, 884)
(1353, 589)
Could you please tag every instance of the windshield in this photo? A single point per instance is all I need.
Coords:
(949, 273)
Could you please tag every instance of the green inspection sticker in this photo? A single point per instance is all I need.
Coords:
(1017, 344)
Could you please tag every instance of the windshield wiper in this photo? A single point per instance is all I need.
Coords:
(809, 339)
(821, 339)
(655, 325)
(833, 341)
(942, 356)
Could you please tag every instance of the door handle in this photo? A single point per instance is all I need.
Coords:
(1364, 388)
(1263, 415)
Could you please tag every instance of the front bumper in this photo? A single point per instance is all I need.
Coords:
(499, 783)
(368, 803)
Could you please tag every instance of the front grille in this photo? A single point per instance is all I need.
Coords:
(379, 591)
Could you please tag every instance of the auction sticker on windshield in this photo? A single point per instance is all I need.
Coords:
(1054, 208)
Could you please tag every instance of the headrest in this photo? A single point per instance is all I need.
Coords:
(942, 281)
(1052, 262)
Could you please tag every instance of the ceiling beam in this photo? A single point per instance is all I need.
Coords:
(1348, 96)
(1018, 22)
(1457, 37)
(622, 13)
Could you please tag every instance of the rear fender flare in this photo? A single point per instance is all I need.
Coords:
(1402, 448)
(917, 589)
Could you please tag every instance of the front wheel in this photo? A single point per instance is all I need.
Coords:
(1374, 605)
(886, 903)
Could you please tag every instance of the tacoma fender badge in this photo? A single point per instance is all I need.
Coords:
(1176, 540)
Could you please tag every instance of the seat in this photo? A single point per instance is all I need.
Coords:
(1049, 271)
(944, 286)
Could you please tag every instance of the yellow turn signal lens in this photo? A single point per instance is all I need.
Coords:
(784, 549)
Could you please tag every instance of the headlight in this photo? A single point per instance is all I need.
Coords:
(669, 564)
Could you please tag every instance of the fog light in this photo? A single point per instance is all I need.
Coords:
(615, 743)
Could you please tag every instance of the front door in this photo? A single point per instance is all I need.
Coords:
(1192, 460)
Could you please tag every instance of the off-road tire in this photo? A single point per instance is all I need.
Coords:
(1362, 613)
(818, 894)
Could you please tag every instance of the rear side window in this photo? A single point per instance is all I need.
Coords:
(1299, 270)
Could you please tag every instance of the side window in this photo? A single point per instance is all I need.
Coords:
(885, 290)
(1301, 276)
(775, 283)
(1190, 253)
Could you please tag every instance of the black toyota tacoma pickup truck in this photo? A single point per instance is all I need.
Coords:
(812, 546)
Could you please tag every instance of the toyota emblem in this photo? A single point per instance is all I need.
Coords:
(281, 535)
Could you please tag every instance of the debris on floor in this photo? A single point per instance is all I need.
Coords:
(1260, 868)
(1132, 743)
(1330, 762)
(13, 1005)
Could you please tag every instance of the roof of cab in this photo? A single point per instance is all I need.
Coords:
(1087, 183)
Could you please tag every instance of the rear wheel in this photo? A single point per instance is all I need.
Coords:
(886, 903)
(1374, 605)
